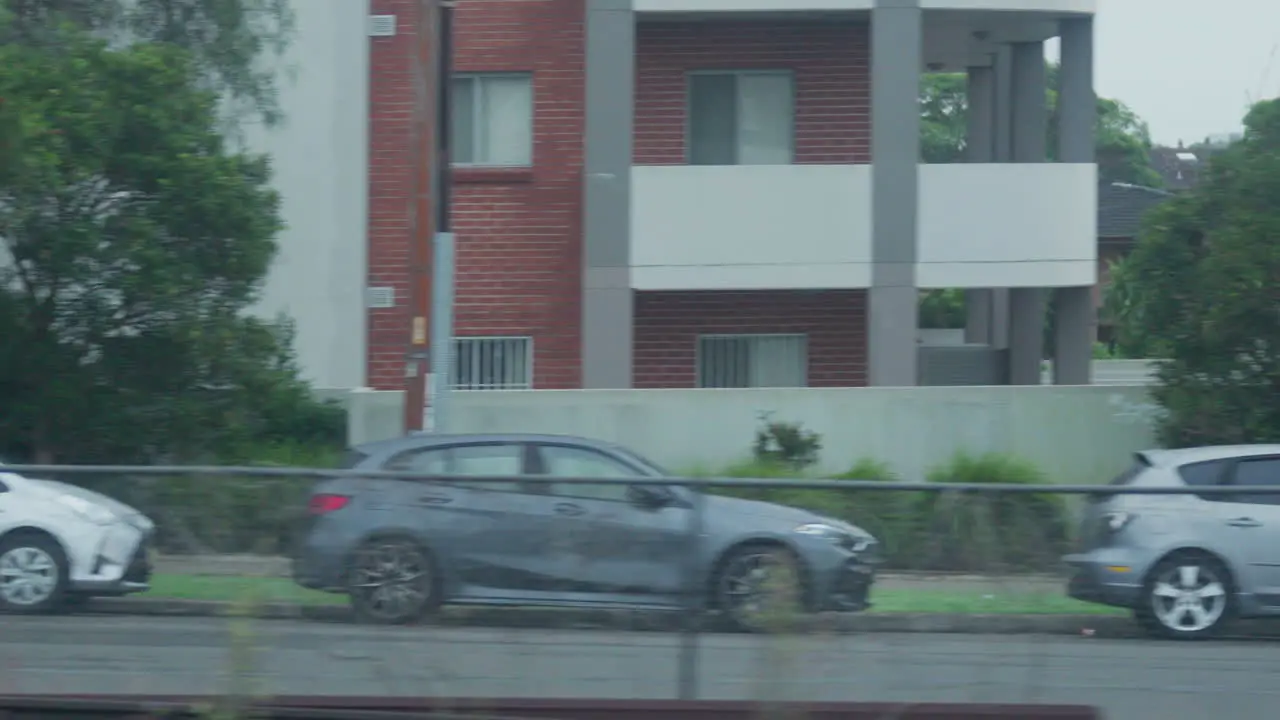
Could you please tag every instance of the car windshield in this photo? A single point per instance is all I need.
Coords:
(652, 468)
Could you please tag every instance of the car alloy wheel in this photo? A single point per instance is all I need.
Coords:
(32, 574)
(1188, 597)
(758, 589)
(392, 582)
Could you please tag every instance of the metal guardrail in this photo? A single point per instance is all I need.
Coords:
(695, 482)
(19, 707)
(694, 615)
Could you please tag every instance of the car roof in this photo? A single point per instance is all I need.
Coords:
(425, 440)
(1184, 456)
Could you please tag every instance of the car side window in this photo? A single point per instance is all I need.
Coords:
(465, 460)
(1254, 473)
(1205, 474)
(563, 461)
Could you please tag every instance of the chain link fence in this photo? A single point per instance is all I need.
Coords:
(971, 601)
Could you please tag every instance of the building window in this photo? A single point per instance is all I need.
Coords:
(492, 363)
(741, 118)
(747, 361)
(493, 120)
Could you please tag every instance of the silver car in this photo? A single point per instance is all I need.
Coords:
(401, 548)
(1186, 564)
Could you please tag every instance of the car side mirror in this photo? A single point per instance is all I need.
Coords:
(649, 497)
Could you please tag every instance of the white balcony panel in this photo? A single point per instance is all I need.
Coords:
(1007, 225)
(750, 227)
(740, 6)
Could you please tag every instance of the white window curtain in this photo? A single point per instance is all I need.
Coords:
(765, 119)
(507, 121)
(493, 120)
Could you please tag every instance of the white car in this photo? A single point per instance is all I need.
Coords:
(61, 544)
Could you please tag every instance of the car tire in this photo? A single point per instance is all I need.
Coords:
(1188, 596)
(759, 588)
(33, 574)
(392, 581)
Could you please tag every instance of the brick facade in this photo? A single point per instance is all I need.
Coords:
(519, 234)
(519, 244)
(830, 60)
(668, 324)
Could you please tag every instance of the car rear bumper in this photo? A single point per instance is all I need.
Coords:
(1104, 578)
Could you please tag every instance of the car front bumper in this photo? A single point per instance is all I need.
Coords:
(111, 576)
(848, 587)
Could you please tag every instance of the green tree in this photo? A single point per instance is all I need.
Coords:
(944, 110)
(1123, 139)
(1202, 288)
(133, 241)
(228, 40)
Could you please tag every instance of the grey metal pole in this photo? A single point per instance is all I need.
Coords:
(439, 387)
(695, 591)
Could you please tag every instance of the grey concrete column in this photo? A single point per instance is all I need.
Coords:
(1030, 122)
(980, 137)
(607, 299)
(1075, 323)
(893, 302)
(1002, 152)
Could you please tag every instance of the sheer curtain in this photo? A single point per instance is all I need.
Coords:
(779, 361)
(506, 120)
(765, 118)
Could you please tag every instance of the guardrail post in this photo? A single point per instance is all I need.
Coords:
(695, 599)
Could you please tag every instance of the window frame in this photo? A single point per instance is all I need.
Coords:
(477, 114)
(698, 352)
(736, 73)
(523, 449)
(454, 365)
(540, 471)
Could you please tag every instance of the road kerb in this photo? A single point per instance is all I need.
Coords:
(546, 618)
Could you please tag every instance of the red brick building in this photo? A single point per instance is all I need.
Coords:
(793, 89)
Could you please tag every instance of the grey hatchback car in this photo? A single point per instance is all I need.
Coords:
(399, 548)
(1185, 564)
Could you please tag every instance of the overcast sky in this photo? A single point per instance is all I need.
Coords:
(1188, 67)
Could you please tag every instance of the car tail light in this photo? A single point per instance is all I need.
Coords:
(326, 503)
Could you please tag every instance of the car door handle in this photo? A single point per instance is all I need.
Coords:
(1244, 522)
(569, 509)
(435, 499)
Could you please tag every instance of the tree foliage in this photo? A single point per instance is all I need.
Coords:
(228, 40)
(132, 242)
(1123, 139)
(1202, 288)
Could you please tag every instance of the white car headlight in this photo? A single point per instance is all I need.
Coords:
(843, 538)
(87, 510)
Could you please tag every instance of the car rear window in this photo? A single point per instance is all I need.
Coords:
(1202, 474)
(352, 458)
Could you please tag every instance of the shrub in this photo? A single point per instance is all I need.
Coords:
(784, 444)
(883, 514)
(964, 531)
(201, 514)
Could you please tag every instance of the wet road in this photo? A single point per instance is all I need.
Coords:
(1129, 678)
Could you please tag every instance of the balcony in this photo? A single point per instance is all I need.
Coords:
(764, 227)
